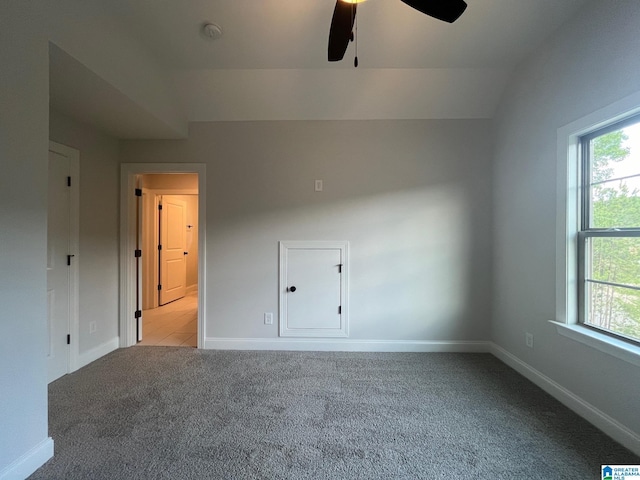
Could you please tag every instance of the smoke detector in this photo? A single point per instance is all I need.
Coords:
(212, 31)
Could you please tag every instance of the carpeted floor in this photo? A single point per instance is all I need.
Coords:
(181, 413)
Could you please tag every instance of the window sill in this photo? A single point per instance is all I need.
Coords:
(614, 347)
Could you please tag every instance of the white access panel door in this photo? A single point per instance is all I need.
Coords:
(313, 289)
(58, 272)
(173, 241)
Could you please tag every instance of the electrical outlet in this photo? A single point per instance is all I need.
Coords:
(318, 185)
(93, 326)
(528, 339)
(268, 318)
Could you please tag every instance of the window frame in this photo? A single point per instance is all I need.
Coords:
(568, 213)
(586, 231)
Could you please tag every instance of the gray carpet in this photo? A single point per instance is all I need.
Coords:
(180, 413)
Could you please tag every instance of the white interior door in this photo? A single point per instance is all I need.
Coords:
(173, 249)
(313, 289)
(58, 271)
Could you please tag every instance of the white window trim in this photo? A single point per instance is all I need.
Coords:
(567, 226)
(600, 341)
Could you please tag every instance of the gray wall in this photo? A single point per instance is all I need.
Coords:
(23, 239)
(412, 197)
(591, 63)
(25, 31)
(99, 223)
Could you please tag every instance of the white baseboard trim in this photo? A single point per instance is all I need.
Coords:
(343, 345)
(100, 351)
(598, 418)
(29, 462)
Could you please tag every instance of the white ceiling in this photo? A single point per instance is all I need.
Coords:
(292, 34)
(271, 62)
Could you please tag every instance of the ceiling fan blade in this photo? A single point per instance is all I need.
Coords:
(445, 10)
(341, 27)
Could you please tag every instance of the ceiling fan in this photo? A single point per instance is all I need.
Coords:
(344, 15)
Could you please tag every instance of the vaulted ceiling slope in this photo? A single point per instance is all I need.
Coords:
(271, 61)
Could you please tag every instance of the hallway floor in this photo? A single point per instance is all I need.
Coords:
(172, 325)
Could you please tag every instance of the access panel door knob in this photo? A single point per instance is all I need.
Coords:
(292, 289)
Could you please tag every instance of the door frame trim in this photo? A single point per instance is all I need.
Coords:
(343, 246)
(128, 175)
(74, 249)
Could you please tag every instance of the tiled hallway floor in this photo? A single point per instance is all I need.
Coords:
(174, 324)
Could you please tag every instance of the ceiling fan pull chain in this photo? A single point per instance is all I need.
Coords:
(355, 60)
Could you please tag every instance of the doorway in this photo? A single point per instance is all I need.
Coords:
(169, 236)
(146, 313)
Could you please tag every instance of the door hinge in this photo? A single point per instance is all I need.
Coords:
(68, 339)
(68, 181)
(137, 314)
(138, 192)
(339, 268)
(159, 247)
(160, 207)
(159, 287)
(69, 259)
(340, 310)
(138, 253)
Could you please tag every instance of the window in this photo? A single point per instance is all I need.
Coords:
(609, 232)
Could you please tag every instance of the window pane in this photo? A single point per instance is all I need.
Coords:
(615, 179)
(615, 154)
(615, 260)
(616, 309)
(611, 200)
(616, 204)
